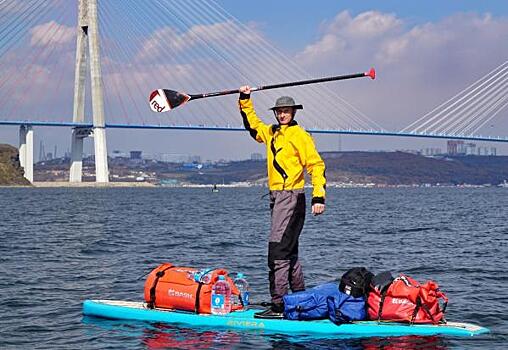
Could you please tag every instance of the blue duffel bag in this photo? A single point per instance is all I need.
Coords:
(310, 304)
(324, 301)
(345, 308)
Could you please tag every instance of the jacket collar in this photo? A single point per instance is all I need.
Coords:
(276, 127)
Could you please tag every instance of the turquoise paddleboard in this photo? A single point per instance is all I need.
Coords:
(128, 310)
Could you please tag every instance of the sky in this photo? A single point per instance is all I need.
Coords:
(424, 53)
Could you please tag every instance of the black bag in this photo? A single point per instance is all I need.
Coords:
(356, 282)
(381, 281)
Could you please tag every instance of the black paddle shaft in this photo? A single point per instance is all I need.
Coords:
(295, 83)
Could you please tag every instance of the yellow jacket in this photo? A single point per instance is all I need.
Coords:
(289, 149)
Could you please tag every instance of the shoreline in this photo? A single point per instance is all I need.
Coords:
(65, 184)
(51, 184)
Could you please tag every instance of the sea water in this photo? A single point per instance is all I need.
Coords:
(59, 247)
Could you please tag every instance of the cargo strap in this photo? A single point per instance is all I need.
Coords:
(417, 308)
(340, 318)
(198, 289)
(198, 292)
(158, 275)
(443, 296)
(381, 304)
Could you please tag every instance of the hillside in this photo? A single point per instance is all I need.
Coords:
(11, 172)
(385, 168)
(397, 168)
(380, 168)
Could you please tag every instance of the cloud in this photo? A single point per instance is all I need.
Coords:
(52, 33)
(418, 66)
(15, 6)
(37, 82)
(163, 39)
(345, 34)
(366, 25)
(169, 40)
(328, 45)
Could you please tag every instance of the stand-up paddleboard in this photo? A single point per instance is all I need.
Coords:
(127, 310)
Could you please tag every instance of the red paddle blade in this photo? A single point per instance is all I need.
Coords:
(371, 73)
(163, 100)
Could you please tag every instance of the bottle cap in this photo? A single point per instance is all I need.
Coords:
(222, 278)
(240, 275)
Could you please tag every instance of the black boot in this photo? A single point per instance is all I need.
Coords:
(274, 312)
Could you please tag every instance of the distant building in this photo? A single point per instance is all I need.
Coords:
(192, 165)
(172, 157)
(136, 155)
(411, 151)
(457, 148)
(256, 156)
(453, 147)
(222, 163)
(431, 151)
(194, 159)
(487, 151)
(470, 148)
(118, 154)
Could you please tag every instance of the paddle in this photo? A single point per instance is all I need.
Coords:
(163, 100)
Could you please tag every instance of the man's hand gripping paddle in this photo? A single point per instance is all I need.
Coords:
(164, 100)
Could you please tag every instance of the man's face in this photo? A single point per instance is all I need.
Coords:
(284, 115)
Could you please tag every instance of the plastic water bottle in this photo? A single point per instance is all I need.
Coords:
(243, 286)
(191, 275)
(206, 278)
(221, 297)
(203, 276)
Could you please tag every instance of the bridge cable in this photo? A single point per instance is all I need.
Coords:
(273, 50)
(471, 98)
(423, 122)
(474, 108)
(114, 51)
(188, 31)
(27, 63)
(189, 55)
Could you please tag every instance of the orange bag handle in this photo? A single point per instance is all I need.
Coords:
(158, 275)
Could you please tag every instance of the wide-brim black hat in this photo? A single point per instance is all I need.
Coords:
(286, 101)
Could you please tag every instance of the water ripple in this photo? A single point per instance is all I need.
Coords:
(61, 246)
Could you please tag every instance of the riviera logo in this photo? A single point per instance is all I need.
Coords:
(246, 324)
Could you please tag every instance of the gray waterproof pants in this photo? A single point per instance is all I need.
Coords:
(288, 216)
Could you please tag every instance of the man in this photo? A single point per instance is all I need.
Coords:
(289, 149)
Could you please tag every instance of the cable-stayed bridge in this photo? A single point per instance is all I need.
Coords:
(89, 65)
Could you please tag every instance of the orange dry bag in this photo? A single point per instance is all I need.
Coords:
(178, 288)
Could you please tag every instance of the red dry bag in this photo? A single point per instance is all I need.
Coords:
(405, 300)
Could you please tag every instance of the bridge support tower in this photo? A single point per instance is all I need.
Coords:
(26, 151)
(88, 47)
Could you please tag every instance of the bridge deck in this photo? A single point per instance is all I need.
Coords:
(224, 128)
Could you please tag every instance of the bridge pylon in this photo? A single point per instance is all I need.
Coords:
(26, 151)
(88, 47)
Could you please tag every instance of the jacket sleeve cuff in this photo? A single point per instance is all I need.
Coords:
(318, 200)
(244, 96)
